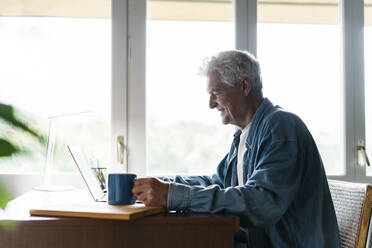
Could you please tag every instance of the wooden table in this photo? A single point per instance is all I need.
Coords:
(19, 230)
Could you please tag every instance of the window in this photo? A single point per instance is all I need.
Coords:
(320, 42)
(308, 47)
(299, 54)
(52, 66)
(183, 135)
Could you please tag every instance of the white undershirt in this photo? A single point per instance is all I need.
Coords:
(241, 150)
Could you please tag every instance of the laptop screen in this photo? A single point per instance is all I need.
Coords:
(86, 172)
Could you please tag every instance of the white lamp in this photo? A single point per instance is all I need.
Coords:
(47, 184)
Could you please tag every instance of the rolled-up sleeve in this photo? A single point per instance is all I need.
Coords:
(180, 187)
(178, 196)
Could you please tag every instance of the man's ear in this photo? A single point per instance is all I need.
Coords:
(246, 86)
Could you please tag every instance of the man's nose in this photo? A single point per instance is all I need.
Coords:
(212, 102)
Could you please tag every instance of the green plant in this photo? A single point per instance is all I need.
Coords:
(9, 147)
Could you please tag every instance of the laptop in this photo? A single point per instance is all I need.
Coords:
(87, 173)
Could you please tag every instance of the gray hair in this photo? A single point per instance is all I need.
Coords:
(233, 66)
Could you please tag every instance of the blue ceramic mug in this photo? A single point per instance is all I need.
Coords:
(120, 187)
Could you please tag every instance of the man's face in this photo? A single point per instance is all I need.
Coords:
(225, 99)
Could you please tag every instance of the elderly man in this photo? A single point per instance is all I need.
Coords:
(273, 177)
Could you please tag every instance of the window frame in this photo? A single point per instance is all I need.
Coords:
(136, 97)
(352, 72)
(119, 78)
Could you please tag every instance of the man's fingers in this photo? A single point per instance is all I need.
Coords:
(138, 189)
(141, 198)
(141, 181)
(144, 190)
(151, 191)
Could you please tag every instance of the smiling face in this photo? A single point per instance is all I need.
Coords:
(226, 99)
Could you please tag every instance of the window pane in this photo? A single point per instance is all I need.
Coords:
(300, 57)
(54, 66)
(368, 77)
(183, 134)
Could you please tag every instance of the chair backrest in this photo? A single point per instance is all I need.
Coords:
(353, 203)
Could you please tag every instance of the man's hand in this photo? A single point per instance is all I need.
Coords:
(151, 191)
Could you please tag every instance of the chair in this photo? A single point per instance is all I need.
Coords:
(353, 203)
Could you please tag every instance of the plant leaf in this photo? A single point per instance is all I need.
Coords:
(7, 149)
(7, 114)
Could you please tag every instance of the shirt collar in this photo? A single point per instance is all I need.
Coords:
(246, 128)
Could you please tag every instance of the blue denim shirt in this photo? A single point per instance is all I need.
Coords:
(285, 200)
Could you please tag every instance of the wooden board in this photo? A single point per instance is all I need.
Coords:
(98, 210)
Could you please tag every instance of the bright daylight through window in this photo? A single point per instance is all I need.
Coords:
(61, 64)
(300, 58)
(183, 134)
(51, 66)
